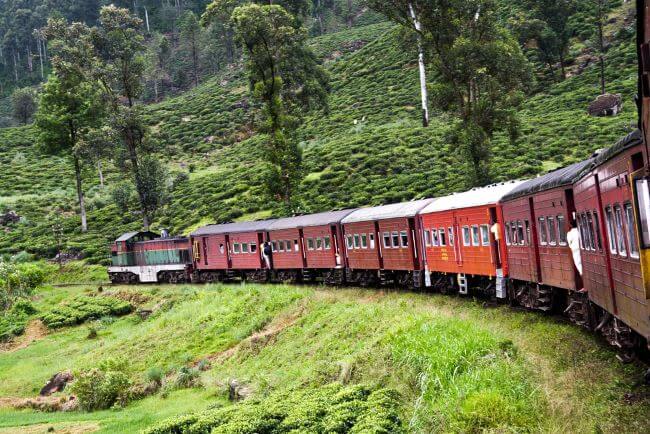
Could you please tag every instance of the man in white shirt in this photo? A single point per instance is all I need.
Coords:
(573, 239)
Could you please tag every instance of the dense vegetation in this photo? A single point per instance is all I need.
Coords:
(316, 359)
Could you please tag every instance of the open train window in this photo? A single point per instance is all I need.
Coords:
(507, 231)
(642, 191)
(442, 238)
(435, 241)
(475, 235)
(253, 247)
(386, 237)
(485, 235)
(364, 241)
(543, 235)
(450, 236)
(327, 243)
(552, 230)
(520, 233)
(527, 233)
(561, 230)
(287, 245)
(372, 240)
(395, 237)
(319, 244)
(466, 236)
(631, 232)
(310, 244)
(597, 236)
(427, 238)
(348, 241)
(281, 246)
(620, 232)
(611, 235)
(592, 232)
(404, 239)
(513, 232)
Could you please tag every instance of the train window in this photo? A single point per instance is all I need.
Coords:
(527, 233)
(287, 243)
(253, 247)
(395, 236)
(561, 230)
(319, 244)
(631, 232)
(348, 241)
(513, 233)
(435, 240)
(642, 191)
(357, 243)
(310, 244)
(387, 240)
(450, 236)
(475, 235)
(552, 230)
(281, 246)
(364, 241)
(520, 233)
(597, 238)
(620, 233)
(507, 232)
(235, 248)
(372, 240)
(404, 238)
(609, 219)
(427, 238)
(244, 247)
(466, 236)
(485, 235)
(592, 232)
(441, 237)
(543, 235)
(327, 243)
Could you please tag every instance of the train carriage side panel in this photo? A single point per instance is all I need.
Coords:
(362, 256)
(322, 246)
(287, 249)
(520, 250)
(397, 244)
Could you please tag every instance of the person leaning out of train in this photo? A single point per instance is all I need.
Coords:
(573, 240)
(267, 251)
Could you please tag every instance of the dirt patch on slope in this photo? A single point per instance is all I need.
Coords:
(41, 403)
(34, 331)
(60, 428)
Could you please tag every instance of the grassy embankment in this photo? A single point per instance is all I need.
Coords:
(457, 366)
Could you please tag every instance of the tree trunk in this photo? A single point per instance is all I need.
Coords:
(80, 194)
(350, 17)
(101, 174)
(15, 66)
(40, 56)
(562, 65)
(601, 43)
(146, 19)
(195, 63)
(423, 75)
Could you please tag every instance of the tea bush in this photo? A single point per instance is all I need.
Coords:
(332, 408)
(83, 308)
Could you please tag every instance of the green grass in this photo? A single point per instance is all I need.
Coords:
(456, 366)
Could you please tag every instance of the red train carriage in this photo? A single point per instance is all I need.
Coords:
(308, 247)
(605, 209)
(536, 217)
(227, 251)
(146, 257)
(380, 244)
(463, 240)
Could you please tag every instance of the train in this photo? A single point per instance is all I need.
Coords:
(575, 240)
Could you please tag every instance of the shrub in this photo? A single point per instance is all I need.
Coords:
(83, 308)
(155, 375)
(187, 377)
(102, 387)
(332, 408)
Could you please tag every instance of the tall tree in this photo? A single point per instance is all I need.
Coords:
(23, 102)
(557, 34)
(190, 37)
(119, 67)
(599, 9)
(287, 80)
(481, 72)
(403, 12)
(70, 102)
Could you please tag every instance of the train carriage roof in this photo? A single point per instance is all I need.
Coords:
(557, 178)
(395, 210)
(632, 139)
(475, 197)
(128, 235)
(233, 228)
(309, 220)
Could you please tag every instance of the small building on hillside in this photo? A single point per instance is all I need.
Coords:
(607, 104)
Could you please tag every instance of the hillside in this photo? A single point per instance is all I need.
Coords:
(323, 360)
(368, 149)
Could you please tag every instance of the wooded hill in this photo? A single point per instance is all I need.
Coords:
(369, 148)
